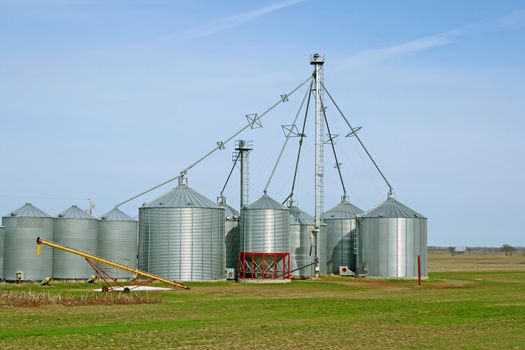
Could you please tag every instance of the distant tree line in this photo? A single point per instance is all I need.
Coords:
(506, 248)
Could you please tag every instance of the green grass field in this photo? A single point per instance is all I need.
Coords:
(452, 310)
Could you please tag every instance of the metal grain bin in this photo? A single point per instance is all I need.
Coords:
(117, 242)
(74, 228)
(337, 244)
(264, 227)
(301, 241)
(231, 238)
(391, 238)
(181, 236)
(2, 244)
(22, 227)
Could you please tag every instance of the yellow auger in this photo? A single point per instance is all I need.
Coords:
(40, 241)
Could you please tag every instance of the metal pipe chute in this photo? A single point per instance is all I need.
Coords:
(91, 257)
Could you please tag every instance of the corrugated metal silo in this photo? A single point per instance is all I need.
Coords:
(264, 227)
(181, 236)
(338, 245)
(231, 238)
(2, 243)
(391, 238)
(74, 228)
(301, 241)
(22, 227)
(117, 241)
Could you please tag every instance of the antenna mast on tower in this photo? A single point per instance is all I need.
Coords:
(317, 61)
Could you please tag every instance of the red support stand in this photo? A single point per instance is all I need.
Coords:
(289, 265)
(274, 265)
(264, 266)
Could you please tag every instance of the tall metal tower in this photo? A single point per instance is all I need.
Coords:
(242, 151)
(317, 61)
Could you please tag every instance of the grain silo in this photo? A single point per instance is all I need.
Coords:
(337, 243)
(231, 236)
(392, 236)
(22, 227)
(264, 255)
(264, 226)
(301, 242)
(181, 236)
(117, 241)
(2, 243)
(74, 228)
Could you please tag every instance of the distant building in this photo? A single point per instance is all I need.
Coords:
(460, 251)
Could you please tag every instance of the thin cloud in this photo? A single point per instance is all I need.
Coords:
(510, 22)
(410, 47)
(224, 23)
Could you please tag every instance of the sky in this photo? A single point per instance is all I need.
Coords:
(105, 99)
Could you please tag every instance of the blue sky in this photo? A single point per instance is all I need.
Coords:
(103, 99)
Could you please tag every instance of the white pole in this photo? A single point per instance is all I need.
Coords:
(317, 61)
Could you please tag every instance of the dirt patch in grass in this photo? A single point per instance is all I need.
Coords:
(332, 287)
(445, 285)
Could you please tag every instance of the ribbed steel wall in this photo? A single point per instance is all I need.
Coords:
(322, 252)
(2, 243)
(265, 230)
(337, 244)
(232, 232)
(231, 235)
(389, 247)
(117, 242)
(300, 244)
(20, 247)
(80, 234)
(184, 244)
(301, 227)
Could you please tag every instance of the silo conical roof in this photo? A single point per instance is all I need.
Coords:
(343, 210)
(74, 212)
(392, 208)
(266, 202)
(229, 212)
(297, 216)
(182, 196)
(116, 214)
(29, 210)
